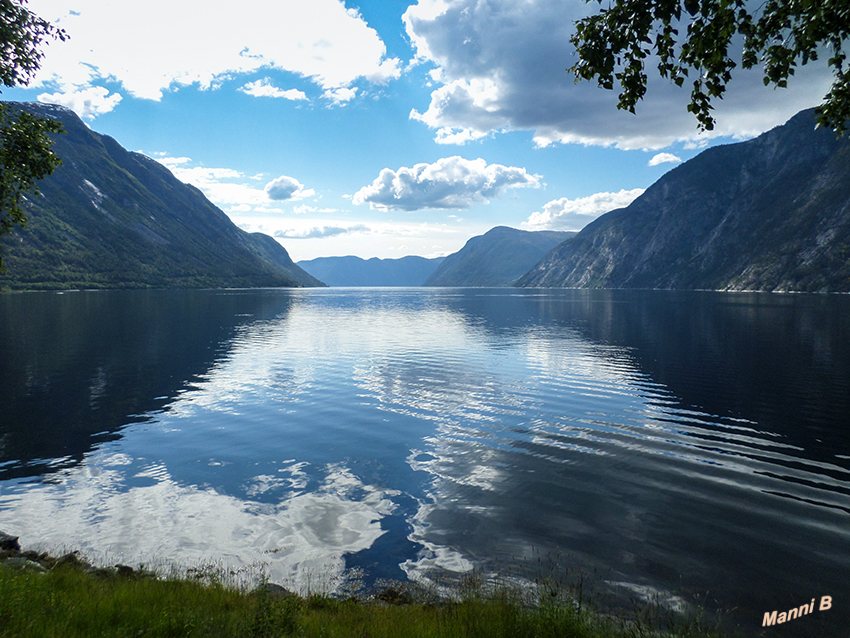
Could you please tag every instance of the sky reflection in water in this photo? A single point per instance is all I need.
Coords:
(645, 435)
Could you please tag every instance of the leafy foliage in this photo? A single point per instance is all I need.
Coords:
(613, 46)
(21, 34)
(25, 154)
(25, 157)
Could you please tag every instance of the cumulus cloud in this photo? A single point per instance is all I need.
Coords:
(152, 46)
(287, 188)
(448, 183)
(87, 103)
(501, 65)
(265, 88)
(232, 189)
(318, 232)
(575, 214)
(340, 96)
(662, 158)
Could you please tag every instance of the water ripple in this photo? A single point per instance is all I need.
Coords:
(642, 433)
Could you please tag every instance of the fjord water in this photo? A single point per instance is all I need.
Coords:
(684, 444)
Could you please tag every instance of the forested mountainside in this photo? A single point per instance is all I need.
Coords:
(109, 218)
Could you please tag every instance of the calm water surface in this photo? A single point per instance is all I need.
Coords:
(678, 444)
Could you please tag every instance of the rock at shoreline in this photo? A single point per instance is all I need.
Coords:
(394, 596)
(24, 564)
(9, 542)
(12, 557)
(274, 590)
(72, 559)
(125, 570)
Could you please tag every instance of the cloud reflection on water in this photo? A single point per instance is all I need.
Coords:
(549, 440)
(501, 421)
(299, 541)
(495, 408)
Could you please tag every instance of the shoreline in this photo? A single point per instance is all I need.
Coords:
(60, 589)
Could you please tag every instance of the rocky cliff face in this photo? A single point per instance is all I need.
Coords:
(772, 213)
(497, 258)
(109, 218)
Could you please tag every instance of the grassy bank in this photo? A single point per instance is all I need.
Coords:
(68, 602)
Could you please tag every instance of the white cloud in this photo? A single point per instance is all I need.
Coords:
(662, 158)
(308, 237)
(575, 214)
(169, 162)
(152, 46)
(451, 182)
(340, 96)
(691, 145)
(198, 175)
(502, 66)
(301, 540)
(317, 232)
(287, 188)
(87, 103)
(458, 98)
(304, 208)
(230, 189)
(214, 183)
(265, 88)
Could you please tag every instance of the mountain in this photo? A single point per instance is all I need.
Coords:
(497, 258)
(354, 271)
(771, 213)
(109, 218)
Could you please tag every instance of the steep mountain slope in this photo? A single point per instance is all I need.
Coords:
(772, 213)
(354, 271)
(496, 258)
(109, 218)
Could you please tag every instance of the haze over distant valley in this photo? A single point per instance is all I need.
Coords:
(355, 271)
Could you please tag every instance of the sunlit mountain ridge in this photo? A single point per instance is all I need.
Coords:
(109, 218)
(497, 258)
(768, 214)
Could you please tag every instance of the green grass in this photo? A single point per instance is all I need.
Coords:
(67, 602)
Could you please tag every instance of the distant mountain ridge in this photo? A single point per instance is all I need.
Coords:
(497, 258)
(355, 271)
(771, 214)
(109, 218)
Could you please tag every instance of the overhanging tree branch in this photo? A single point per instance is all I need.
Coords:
(614, 44)
(25, 144)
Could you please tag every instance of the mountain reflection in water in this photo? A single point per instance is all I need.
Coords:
(682, 443)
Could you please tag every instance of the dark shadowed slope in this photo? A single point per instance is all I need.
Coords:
(109, 218)
(772, 213)
(496, 258)
(355, 271)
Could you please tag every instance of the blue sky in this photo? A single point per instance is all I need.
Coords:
(380, 128)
